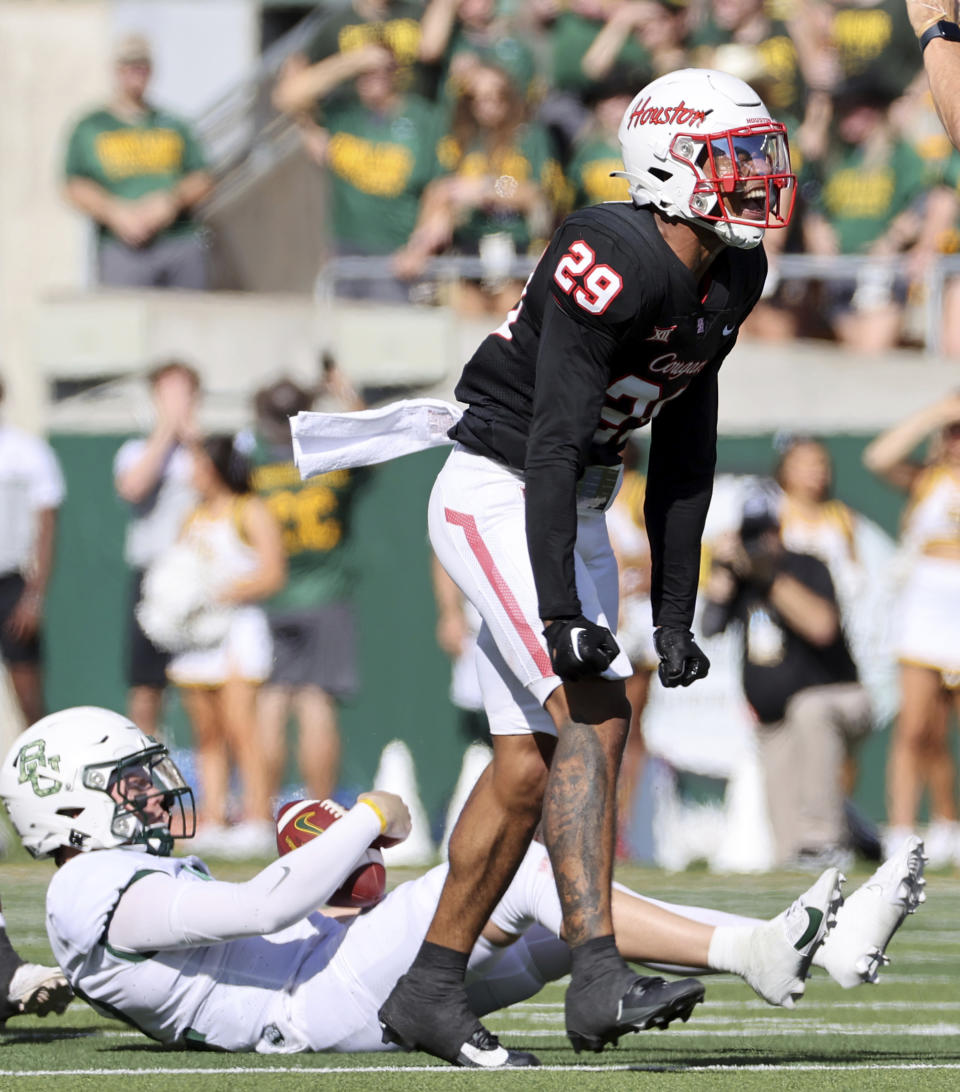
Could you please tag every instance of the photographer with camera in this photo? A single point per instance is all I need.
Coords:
(798, 677)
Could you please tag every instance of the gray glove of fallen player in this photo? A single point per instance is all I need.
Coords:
(681, 660)
(579, 648)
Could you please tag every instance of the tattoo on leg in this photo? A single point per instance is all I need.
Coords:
(579, 818)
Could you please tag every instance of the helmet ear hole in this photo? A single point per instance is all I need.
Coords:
(658, 172)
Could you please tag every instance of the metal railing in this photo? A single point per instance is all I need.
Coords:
(796, 267)
(847, 267)
(242, 133)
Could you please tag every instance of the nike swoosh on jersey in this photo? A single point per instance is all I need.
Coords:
(814, 917)
(728, 330)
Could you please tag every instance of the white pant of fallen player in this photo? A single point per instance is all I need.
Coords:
(396, 773)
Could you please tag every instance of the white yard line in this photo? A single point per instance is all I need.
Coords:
(804, 1005)
(764, 1031)
(450, 1072)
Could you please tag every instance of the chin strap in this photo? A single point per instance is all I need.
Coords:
(742, 236)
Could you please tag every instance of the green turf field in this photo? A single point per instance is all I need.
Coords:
(901, 1034)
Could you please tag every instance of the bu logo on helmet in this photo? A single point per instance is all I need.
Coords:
(681, 114)
(33, 765)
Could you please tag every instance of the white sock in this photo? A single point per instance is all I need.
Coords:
(730, 948)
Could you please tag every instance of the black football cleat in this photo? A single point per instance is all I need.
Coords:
(647, 1003)
(444, 1026)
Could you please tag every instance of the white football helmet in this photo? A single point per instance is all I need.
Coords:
(700, 145)
(86, 778)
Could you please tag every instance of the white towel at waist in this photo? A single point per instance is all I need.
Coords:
(334, 441)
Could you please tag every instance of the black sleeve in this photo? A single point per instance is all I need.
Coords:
(572, 376)
(683, 455)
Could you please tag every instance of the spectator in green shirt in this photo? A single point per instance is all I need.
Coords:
(139, 173)
(391, 23)
(871, 39)
(571, 38)
(596, 151)
(502, 184)
(457, 34)
(742, 33)
(872, 201)
(378, 143)
(311, 618)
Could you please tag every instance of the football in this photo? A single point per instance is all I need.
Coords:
(300, 821)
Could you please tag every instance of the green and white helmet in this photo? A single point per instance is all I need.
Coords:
(66, 783)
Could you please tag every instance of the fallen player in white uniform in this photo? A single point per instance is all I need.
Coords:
(253, 966)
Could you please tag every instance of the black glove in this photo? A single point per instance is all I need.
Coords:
(579, 647)
(681, 661)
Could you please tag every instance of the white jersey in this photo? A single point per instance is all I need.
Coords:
(234, 995)
(30, 481)
(156, 520)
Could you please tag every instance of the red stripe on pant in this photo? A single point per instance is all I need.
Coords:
(502, 589)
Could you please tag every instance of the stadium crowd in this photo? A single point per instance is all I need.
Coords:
(471, 127)
(491, 121)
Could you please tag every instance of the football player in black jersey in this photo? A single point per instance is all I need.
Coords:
(625, 320)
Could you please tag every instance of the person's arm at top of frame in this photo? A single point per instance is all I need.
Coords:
(301, 85)
(621, 21)
(888, 456)
(941, 59)
(436, 28)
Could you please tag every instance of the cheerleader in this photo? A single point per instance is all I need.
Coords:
(928, 619)
(234, 532)
(811, 521)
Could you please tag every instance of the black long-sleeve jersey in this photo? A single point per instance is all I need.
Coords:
(611, 331)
